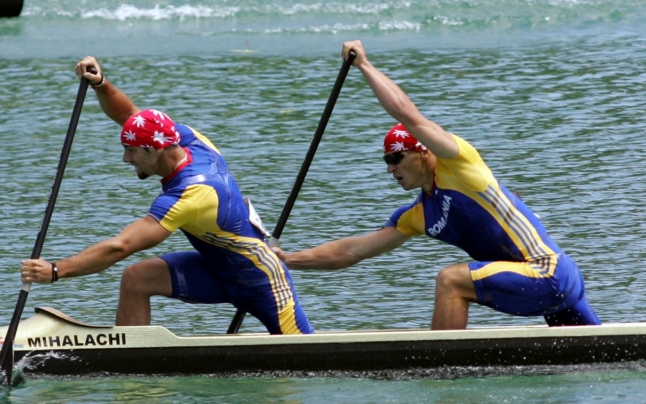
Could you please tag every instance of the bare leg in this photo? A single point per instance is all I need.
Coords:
(138, 283)
(454, 291)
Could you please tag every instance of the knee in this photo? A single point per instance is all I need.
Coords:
(455, 279)
(150, 277)
(131, 279)
(446, 280)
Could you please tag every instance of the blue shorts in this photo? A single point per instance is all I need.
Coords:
(552, 288)
(195, 281)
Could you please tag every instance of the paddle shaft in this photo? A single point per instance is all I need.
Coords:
(6, 355)
(236, 322)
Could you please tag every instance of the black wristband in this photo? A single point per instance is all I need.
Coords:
(54, 272)
(95, 86)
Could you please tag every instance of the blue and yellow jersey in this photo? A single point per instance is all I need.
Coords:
(202, 200)
(470, 209)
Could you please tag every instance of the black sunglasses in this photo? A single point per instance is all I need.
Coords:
(394, 158)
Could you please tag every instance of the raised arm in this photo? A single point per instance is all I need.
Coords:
(400, 107)
(114, 102)
(344, 252)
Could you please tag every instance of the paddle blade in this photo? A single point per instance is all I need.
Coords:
(7, 363)
(6, 355)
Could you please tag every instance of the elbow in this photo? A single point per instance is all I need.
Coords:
(405, 111)
(118, 249)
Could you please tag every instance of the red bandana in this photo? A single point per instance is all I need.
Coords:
(398, 139)
(149, 128)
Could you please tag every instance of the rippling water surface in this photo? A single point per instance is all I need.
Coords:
(551, 93)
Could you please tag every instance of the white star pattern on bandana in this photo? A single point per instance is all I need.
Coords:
(159, 137)
(149, 128)
(160, 114)
(130, 136)
(401, 133)
(399, 139)
(398, 146)
(139, 121)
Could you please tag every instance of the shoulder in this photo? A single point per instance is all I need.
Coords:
(407, 208)
(468, 156)
(190, 136)
(408, 219)
(468, 169)
(185, 132)
(466, 151)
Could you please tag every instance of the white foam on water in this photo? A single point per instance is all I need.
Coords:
(126, 12)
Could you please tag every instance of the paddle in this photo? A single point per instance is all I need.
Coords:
(6, 354)
(236, 322)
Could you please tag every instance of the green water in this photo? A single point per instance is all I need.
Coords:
(556, 109)
(606, 386)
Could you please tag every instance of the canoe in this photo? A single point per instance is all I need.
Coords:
(52, 343)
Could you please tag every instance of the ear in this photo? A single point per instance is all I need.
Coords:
(431, 158)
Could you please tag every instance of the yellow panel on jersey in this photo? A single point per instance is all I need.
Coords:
(204, 140)
(234, 264)
(543, 268)
(185, 215)
(470, 209)
(197, 206)
(518, 268)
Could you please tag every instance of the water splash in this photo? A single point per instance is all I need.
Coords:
(32, 360)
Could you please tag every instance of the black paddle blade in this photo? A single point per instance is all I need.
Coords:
(18, 379)
(6, 355)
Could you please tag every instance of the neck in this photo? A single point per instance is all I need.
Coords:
(428, 186)
(429, 174)
(182, 161)
(176, 157)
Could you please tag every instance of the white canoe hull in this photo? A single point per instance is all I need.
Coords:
(52, 343)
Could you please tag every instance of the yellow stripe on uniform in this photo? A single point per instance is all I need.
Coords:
(516, 224)
(204, 139)
(478, 183)
(184, 214)
(527, 269)
(287, 320)
(279, 285)
(542, 260)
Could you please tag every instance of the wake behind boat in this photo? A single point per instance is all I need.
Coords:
(51, 342)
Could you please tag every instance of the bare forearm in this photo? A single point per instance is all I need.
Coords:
(391, 97)
(329, 256)
(137, 236)
(115, 103)
(92, 260)
(398, 105)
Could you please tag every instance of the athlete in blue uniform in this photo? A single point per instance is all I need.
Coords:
(231, 262)
(518, 268)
